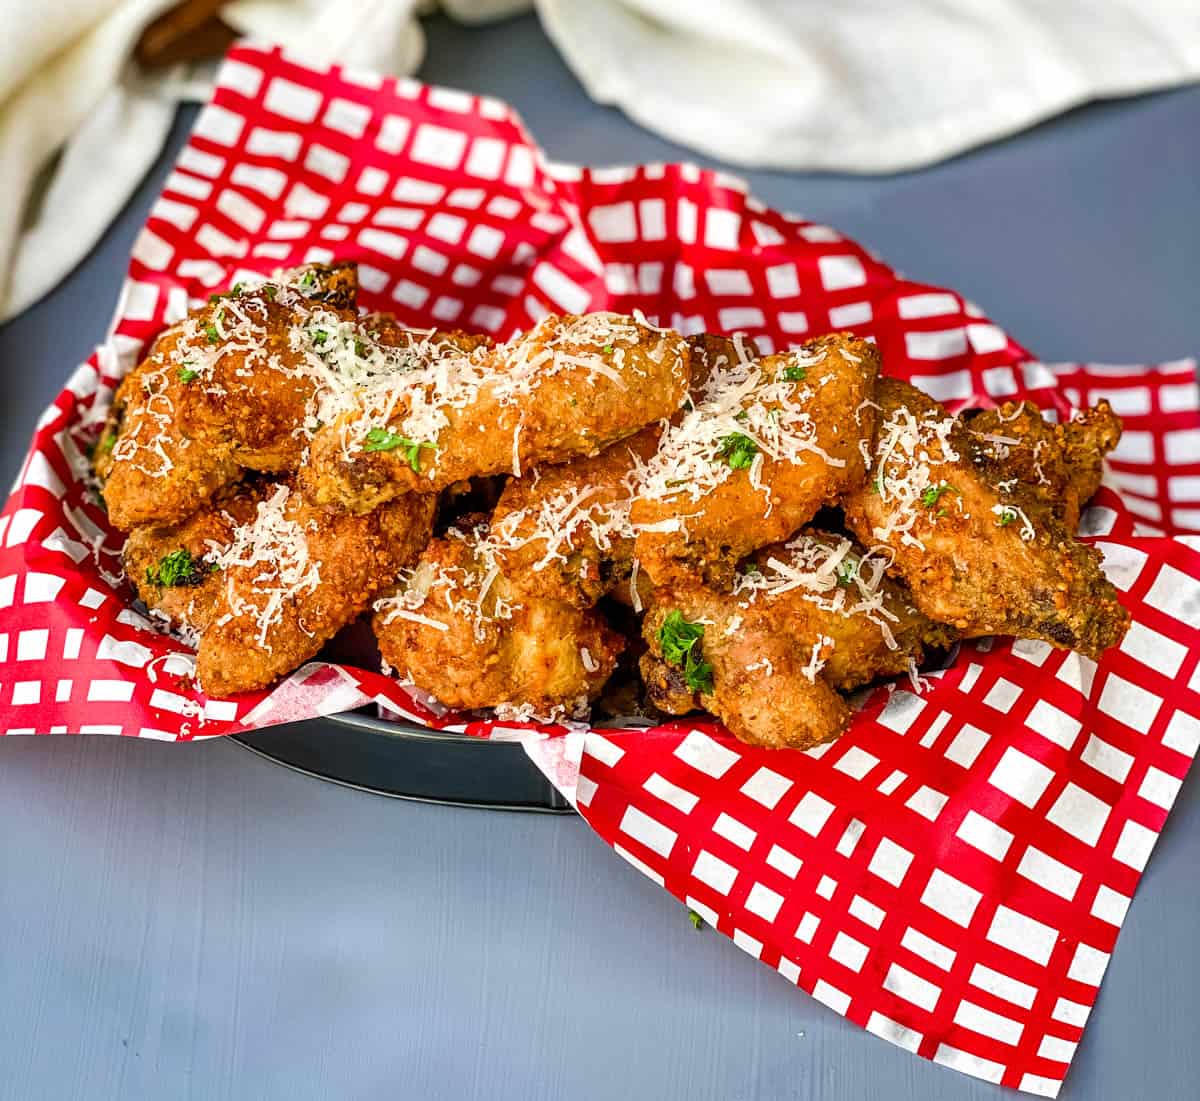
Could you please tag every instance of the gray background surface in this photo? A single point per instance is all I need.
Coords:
(194, 922)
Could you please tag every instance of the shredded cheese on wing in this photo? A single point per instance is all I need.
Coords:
(271, 553)
(739, 400)
(913, 455)
(419, 405)
(832, 576)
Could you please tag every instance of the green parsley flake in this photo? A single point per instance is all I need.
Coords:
(177, 568)
(360, 349)
(270, 290)
(211, 331)
(608, 349)
(319, 337)
(308, 279)
(188, 374)
(738, 450)
(1006, 518)
(795, 374)
(381, 439)
(846, 572)
(680, 641)
(931, 494)
(696, 920)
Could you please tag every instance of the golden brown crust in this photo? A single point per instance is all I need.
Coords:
(223, 391)
(1059, 463)
(569, 387)
(356, 557)
(562, 532)
(808, 619)
(457, 630)
(271, 577)
(985, 555)
(686, 528)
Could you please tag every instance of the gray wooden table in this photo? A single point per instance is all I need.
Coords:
(193, 922)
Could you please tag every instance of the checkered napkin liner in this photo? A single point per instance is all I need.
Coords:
(952, 874)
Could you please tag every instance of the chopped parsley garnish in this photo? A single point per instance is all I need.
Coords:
(188, 374)
(846, 572)
(308, 279)
(211, 331)
(696, 920)
(381, 439)
(1006, 518)
(233, 292)
(319, 336)
(931, 494)
(270, 290)
(608, 349)
(750, 569)
(738, 450)
(177, 568)
(680, 641)
(360, 349)
(741, 415)
(795, 374)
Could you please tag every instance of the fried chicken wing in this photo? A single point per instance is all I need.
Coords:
(226, 389)
(805, 620)
(569, 387)
(265, 578)
(1060, 463)
(979, 550)
(563, 532)
(765, 445)
(455, 628)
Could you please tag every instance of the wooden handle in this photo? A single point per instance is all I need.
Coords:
(187, 32)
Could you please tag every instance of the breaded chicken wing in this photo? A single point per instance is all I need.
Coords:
(228, 388)
(270, 578)
(979, 550)
(805, 620)
(568, 387)
(1060, 463)
(766, 444)
(456, 629)
(562, 532)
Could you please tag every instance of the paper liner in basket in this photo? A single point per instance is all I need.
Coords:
(952, 873)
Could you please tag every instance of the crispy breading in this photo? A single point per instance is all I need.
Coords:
(225, 390)
(1060, 463)
(277, 576)
(187, 603)
(805, 620)
(562, 531)
(980, 551)
(712, 351)
(568, 387)
(456, 629)
(767, 443)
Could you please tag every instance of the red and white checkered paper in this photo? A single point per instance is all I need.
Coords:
(952, 874)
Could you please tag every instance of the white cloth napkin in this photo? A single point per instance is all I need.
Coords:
(857, 85)
(865, 85)
(67, 87)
